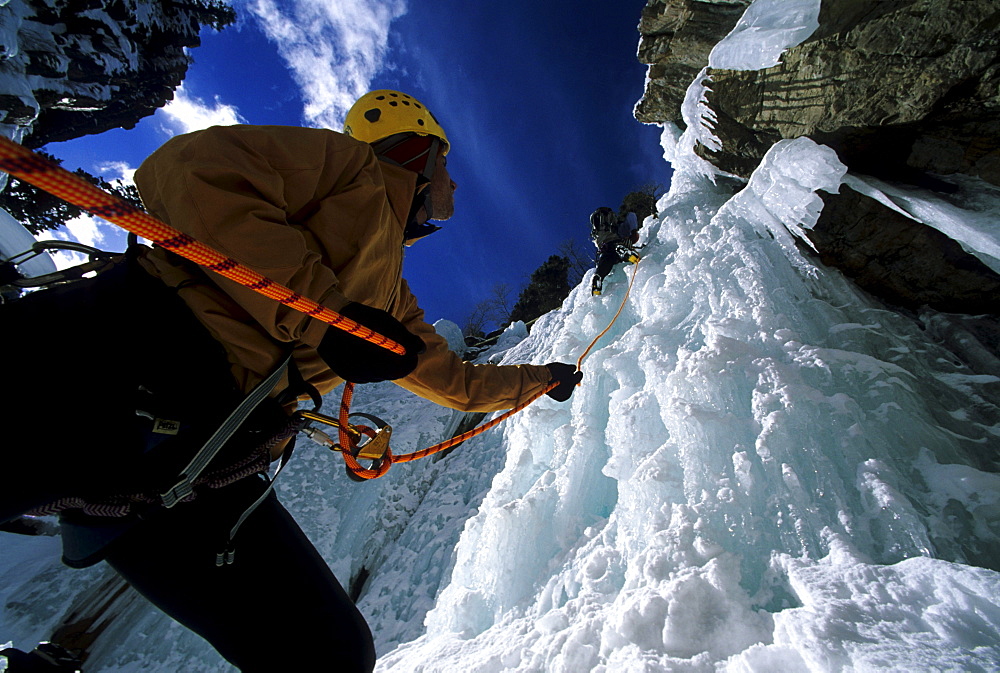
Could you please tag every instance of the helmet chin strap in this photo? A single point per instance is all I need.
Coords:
(415, 229)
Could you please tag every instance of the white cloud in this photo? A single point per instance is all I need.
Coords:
(187, 113)
(84, 229)
(333, 47)
(117, 171)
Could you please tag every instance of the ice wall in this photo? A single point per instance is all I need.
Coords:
(764, 469)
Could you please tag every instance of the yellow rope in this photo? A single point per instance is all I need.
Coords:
(606, 329)
(389, 459)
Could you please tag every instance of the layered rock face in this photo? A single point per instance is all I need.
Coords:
(904, 90)
(73, 67)
(677, 37)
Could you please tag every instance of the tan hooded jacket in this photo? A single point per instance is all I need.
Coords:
(314, 210)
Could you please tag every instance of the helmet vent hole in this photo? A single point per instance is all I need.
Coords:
(373, 115)
(393, 103)
(420, 121)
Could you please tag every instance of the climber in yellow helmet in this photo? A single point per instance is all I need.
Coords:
(402, 131)
(327, 214)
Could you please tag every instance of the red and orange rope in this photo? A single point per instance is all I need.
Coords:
(25, 165)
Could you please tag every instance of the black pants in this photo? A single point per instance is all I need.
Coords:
(607, 260)
(609, 255)
(278, 607)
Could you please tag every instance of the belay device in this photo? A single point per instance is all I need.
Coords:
(375, 449)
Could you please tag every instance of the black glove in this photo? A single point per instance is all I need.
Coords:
(358, 361)
(568, 377)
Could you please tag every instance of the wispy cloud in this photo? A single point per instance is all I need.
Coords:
(117, 171)
(333, 48)
(187, 113)
(84, 229)
(89, 230)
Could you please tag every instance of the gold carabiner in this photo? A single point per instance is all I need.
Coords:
(328, 420)
(374, 449)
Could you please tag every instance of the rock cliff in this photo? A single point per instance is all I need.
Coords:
(78, 67)
(907, 91)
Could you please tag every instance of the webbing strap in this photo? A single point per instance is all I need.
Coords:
(228, 553)
(185, 485)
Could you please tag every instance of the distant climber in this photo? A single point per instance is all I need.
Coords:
(327, 215)
(615, 238)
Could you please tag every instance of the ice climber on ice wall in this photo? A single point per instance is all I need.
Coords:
(327, 215)
(767, 469)
(614, 239)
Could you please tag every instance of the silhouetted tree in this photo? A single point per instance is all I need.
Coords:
(546, 290)
(641, 201)
(494, 311)
(501, 304)
(474, 325)
(39, 211)
(580, 261)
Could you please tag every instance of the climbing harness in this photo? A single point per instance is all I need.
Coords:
(193, 474)
(184, 486)
(25, 165)
(377, 448)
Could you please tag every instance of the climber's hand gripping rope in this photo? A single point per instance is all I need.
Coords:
(564, 378)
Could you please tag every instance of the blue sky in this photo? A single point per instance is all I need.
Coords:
(536, 97)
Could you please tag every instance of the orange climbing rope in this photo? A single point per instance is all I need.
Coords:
(613, 320)
(25, 165)
(382, 466)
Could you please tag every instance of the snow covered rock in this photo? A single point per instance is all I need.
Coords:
(67, 72)
(905, 92)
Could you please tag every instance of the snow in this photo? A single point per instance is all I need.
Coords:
(968, 216)
(15, 239)
(764, 470)
(766, 29)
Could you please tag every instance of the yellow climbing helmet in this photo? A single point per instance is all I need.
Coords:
(383, 113)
